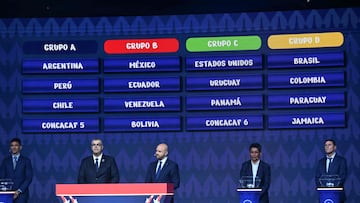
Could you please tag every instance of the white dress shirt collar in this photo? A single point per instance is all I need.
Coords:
(332, 156)
(97, 157)
(16, 155)
(163, 161)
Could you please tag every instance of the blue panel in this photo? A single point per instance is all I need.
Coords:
(142, 84)
(159, 64)
(313, 120)
(330, 196)
(142, 124)
(249, 197)
(216, 63)
(296, 60)
(224, 102)
(142, 104)
(60, 47)
(60, 85)
(60, 105)
(242, 122)
(300, 100)
(224, 82)
(70, 125)
(6, 198)
(302, 80)
(51, 66)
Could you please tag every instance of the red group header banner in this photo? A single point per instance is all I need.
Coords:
(140, 46)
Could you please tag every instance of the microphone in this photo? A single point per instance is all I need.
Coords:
(154, 154)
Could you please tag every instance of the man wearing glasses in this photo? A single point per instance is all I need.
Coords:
(98, 168)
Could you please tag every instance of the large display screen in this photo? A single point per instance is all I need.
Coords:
(187, 82)
(208, 85)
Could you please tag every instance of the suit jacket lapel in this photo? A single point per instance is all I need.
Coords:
(249, 172)
(333, 164)
(324, 164)
(259, 171)
(163, 169)
(102, 163)
(18, 162)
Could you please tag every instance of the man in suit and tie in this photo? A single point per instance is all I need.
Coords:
(18, 168)
(258, 169)
(332, 164)
(98, 168)
(163, 170)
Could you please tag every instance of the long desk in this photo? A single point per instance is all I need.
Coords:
(120, 193)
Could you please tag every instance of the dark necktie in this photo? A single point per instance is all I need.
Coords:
(97, 164)
(14, 162)
(328, 168)
(158, 170)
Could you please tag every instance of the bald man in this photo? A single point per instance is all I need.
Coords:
(163, 170)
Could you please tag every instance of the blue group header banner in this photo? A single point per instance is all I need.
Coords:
(60, 47)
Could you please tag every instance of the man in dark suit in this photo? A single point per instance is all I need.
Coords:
(163, 170)
(98, 168)
(257, 169)
(17, 168)
(332, 164)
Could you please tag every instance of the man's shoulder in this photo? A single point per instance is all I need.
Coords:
(153, 163)
(265, 163)
(171, 162)
(104, 156)
(7, 157)
(88, 158)
(23, 157)
(340, 157)
(248, 162)
(108, 158)
(322, 159)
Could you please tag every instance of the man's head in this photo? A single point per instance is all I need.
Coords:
(15, 146)
(97, 146)
(255, 151)
(161, 151)
(330, 146)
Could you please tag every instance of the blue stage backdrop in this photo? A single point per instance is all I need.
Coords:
(209, 157)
